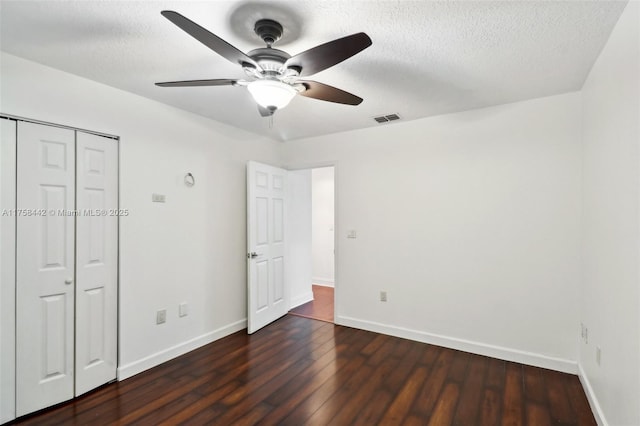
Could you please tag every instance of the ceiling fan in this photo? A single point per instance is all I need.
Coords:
(275, 76)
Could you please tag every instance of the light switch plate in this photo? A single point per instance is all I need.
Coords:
(183, 310)
(158, 198)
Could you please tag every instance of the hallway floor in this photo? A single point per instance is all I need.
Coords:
(320, 308)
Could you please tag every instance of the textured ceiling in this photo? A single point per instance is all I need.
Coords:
(427, 58)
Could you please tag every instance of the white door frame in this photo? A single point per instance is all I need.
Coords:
(7, 270)
(336, 226)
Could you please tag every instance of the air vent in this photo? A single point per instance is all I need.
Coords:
(387, 118)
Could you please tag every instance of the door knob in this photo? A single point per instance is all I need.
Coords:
(68, 282)
(253, 255)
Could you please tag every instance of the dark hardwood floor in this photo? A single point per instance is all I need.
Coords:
(320, 308)
(299, 371)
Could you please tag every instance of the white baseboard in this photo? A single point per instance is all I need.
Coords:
(133, 368)
(326, 282)
(507, 354)
(301, 299)
(591, 396)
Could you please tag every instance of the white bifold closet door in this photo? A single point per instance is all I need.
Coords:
(66, 264)
(96, 261)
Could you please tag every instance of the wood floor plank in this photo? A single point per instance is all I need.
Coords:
(246, 397)
(406, 367)
(491, 410)
(560, 407)
(423, 405)
(361, 398)
(458, 370)
(399, 408)
(445, 408)
(136, 400)
(300, 371)
(371, 413)
(316, 399)
(255, 415)
(496, 374)
(383, 351)
(202, 404)
(513, 402)
(413, 421)
(375, 345)
(429, 355)
(537, 414)
(333, 404)
(296, 386)
(579, 402)
(534, 385)
(471, 393)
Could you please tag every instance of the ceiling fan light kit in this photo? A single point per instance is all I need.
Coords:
(275, 75)
(271, 93)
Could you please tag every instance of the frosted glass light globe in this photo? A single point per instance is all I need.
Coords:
(271, 93)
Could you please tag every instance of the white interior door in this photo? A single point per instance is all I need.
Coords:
(266, 202)
(96, 261)
(44, 266)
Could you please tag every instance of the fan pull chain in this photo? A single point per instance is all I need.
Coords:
(271, 121)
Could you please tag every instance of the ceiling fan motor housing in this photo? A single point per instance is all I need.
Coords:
(268, 30)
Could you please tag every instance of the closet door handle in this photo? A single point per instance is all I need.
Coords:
(68, 282)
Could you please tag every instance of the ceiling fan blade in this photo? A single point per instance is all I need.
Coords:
(265, 112)
(209, 39)
(194, 83)
(329, 54)
(328, 93)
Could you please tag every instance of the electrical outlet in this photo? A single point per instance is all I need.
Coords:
(383, 296)
(183, 310)
(598, 355)
(161, 316)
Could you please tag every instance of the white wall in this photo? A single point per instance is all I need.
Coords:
(190, 249)
(610, 302)
(469, 221)
(298, 271)
(322, 226)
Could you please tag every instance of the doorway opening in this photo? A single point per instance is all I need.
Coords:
(321, 307)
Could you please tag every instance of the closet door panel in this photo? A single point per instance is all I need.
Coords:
(44, 266)
(96, 261)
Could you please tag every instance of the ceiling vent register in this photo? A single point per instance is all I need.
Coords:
(387, 118)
